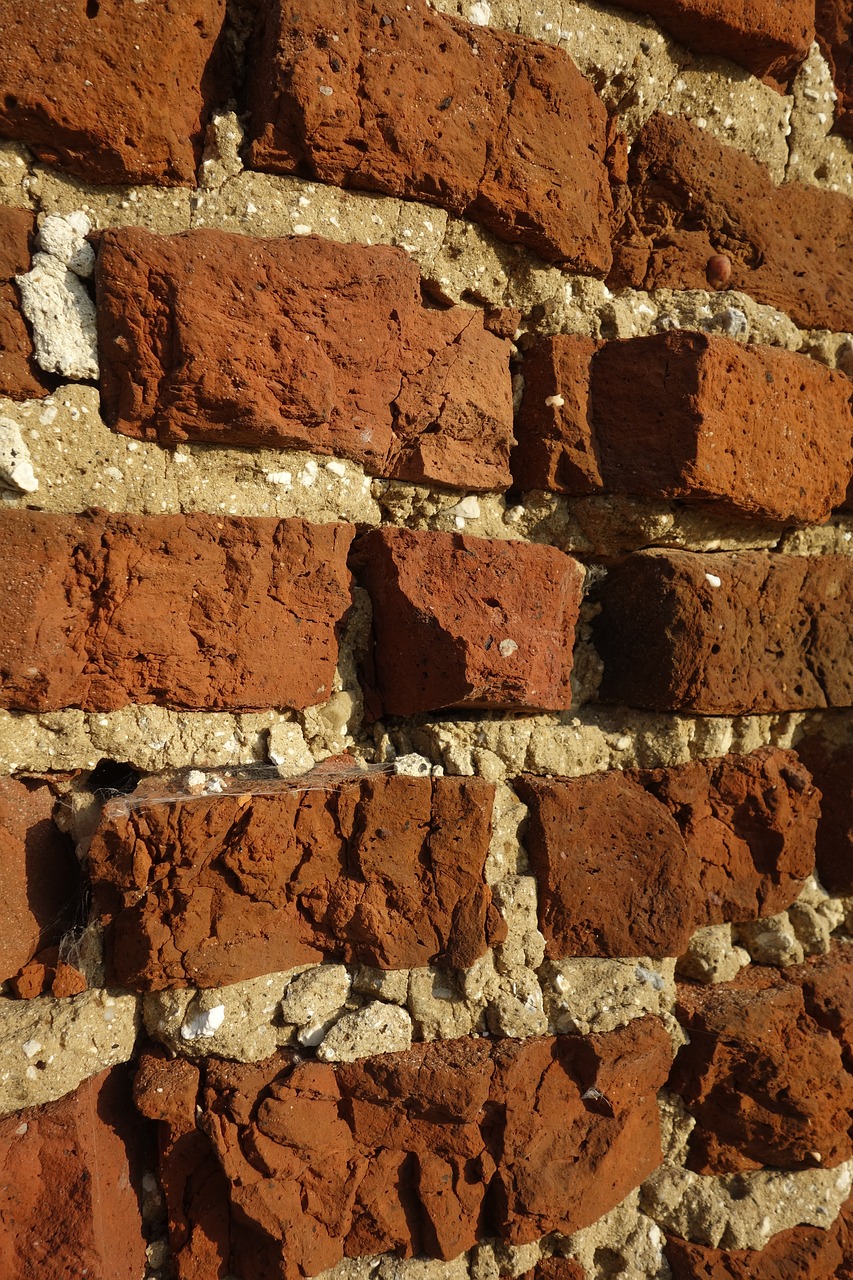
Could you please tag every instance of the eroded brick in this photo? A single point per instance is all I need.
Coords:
(422, 1152)
(753, 430)
(125, 93)
(301, 343)
(468, 622)
(831, 765)
(727, 633)
(692, 198)
(202, 611)
(834, 22)
(412, 103)
(20, 376)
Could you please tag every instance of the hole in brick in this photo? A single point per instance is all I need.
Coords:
(113, 778)
(10, 102)
(93, 8)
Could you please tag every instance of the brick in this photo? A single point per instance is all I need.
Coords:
(195, 611)
(754, 430)
(801, 1253)
(422, 1152)
(209, 890)
(299, 343)
(20, 376)
(726, 633)
(71, 1185)
(831, 765)
(692, 198)
(415, 104)
(468, 622)
(631, 864)
(834, 23)
(126, 91)
(768, 38)
(38, 871)
(767, 1070)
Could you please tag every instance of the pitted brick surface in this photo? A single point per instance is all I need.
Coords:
(411, 103)
(100, 610)
(301, 343)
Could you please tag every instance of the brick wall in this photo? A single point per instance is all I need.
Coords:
(426, 596)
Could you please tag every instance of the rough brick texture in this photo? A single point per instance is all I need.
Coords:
(802, 1253)
(692, 197)
(831, 765)
(125, 93)
(634, 863)
(208, 890)
(20, 376)
(754, 430)
(468, 622)
(98, 610)
(834, 22)
(727, 633)
(768, 38)
(303, 343)
(420, 1152)
(767, 1071)
(71, 1184)
(411, 103)
(38, 872)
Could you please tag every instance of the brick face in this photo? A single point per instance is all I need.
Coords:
(831, 765)
(727, 633)
(755, 431)
(384, 870)
(414, 104)
(300, 343)
(20, 377)
(188, 611)
(834, 22)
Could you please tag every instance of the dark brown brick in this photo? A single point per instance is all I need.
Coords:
(199, 611)
(412, 103)
(834, 22)
(20, 376)
(301, 343)
(752, 430)
(727, 633)
(831, 765)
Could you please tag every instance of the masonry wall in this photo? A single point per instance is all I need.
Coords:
(426, 587)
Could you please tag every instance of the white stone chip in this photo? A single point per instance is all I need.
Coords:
(64, 238)
(205, 1023)
(62, 315)
(713, 580)
(16, 468)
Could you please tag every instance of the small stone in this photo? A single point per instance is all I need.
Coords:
(377, 1028)
(719, 271)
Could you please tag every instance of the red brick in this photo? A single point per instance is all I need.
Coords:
(802, 1253)
(631, 864)
(727, 633)
(834, 22)
(20, 376)
(425, 1151)
(692, 197)
(198, 611)
(70, 1185)
(753, 430)
(431, 108)
(125, 93)
(768, 38)
(300, 343)
(831, 765)
(767, 1070)
(38, 871)
(208, 890)
(444, 604)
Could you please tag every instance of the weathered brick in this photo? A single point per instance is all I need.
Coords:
(208, 890)
(99, 610)
(412, 103)
(831, 765)
(692, 198)
(767, 1070)
(71, 1185)
(834, 22)
(727, 633)
(768, 38)
(468, 622)
(753, 430)
(38, 872)
(125, 93)
(633, 863)
(20, 376)
(303, 343)
(425, 1151)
